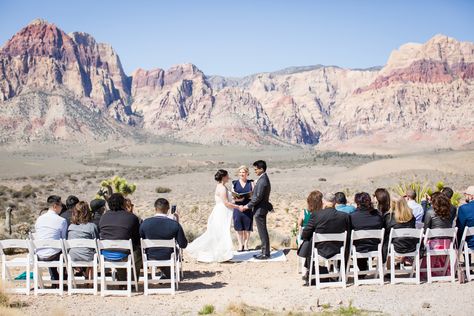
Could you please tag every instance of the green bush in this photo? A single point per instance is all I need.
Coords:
(162, 190)
(207, 310)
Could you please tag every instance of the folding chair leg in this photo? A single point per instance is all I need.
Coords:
(28, 281)
(418, 268)
(428, 267)
(355, 268)
(452, 261)
(342, 271)
(381, 269)
(35, 277)
(70, 276)
(103, 287)
(145, 277)
(129, 278)
(61, 280)
(173, 280)
(95, 276)
(392, 269)
(316, 269)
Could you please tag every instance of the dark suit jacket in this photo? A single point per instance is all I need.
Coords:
(328, 221)
(162, 227)
(365, 219)
(260, 202)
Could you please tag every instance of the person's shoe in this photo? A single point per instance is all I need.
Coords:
(262, 257)
(241, 249)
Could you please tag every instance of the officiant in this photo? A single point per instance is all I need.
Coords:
(243, 221)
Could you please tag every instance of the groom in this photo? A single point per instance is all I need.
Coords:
(261, 205)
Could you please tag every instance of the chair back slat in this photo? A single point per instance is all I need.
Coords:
(14, 243)
(154, 243)
(441, 232)
(47, 243)
(367, 234)
(115, 244)
(468, 231)
(80, 243)
(329, 237)
(406, 233)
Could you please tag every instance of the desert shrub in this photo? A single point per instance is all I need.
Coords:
(162, 190)
(207, 310)
(420, 188)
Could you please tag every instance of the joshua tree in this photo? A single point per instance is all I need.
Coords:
(8, 220)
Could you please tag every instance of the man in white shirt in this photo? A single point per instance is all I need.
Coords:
(416, 208)
(51, 226)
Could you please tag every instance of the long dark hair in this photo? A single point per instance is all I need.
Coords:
(220, 174)
(315, 201)
(383, 200)
(441, 205)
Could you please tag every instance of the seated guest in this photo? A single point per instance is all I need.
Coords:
(383, 200)
(97, 209)
(82, 228)
(365, 218)
(314, 203)
(466, 216)
(416, 209)
(326, 220)
(51, 226)
(399, 216)
(449, 193)
(119, 224)
(71, 202)
(439, 216)
(162, 227)
(341, 203)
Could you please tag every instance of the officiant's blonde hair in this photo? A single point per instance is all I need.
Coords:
(244, 167)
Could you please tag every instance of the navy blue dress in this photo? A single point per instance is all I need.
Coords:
(243, 221)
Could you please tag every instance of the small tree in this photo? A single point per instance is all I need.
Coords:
(115, 185)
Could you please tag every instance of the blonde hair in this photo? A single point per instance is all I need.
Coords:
(399, 208)
(244, 167)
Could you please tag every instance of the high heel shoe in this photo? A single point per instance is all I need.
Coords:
(241, 250)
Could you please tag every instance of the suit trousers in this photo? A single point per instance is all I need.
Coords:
(261, 221)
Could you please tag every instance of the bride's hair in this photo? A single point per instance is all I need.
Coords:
(220, 174)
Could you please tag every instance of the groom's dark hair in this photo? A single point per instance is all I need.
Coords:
(260, 164)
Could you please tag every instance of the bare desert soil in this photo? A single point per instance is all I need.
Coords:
(188, 171)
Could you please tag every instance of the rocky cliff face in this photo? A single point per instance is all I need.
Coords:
(68, 85)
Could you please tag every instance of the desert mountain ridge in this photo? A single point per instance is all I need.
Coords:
(56, 86)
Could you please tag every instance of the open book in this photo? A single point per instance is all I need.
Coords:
(239, 196)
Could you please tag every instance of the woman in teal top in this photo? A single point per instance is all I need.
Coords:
(314, 204)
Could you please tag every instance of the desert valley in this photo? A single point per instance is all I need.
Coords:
(71, 117)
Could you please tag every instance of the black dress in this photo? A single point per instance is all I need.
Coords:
(243, 221)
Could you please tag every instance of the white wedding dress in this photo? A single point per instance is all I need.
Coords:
(215, 245)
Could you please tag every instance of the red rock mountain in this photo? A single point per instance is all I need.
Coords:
(55, 86)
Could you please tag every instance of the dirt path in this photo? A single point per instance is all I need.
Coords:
(274, 286)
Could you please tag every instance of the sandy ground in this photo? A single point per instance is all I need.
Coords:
(188, 171)
(274, 286)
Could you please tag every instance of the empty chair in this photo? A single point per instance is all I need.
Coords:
(71, 264)
(402, 234)
(378, 272)
(466, 251)
(172, 263)
(25, 261)
(439, 242)
(335, 264)
(128, 264)
(39, 265)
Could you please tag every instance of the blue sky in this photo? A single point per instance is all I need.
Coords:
(237, 38)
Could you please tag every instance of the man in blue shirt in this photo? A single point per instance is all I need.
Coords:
(341, 203)
(466, 216)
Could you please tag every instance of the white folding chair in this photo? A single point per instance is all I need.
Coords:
(24, 261)
(38, 266)
(464, 249)
(300, 268)
(450, 253)
(129, 265)
(340, 272)
(411, 233)
(172, 263)
(378, 272)
(94, 264)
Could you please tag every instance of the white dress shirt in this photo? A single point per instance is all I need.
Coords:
(417, 210)
(50, 226)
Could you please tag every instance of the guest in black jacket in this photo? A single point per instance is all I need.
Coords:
(71, 202)
(365, 218)
(326, 221)
(162, 227)
(399, 216)
(119, 224)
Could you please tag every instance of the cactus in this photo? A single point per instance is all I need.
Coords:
(116, 184)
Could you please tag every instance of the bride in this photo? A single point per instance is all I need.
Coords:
(215, 245)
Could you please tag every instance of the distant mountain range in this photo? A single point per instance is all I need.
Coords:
(67, 87)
